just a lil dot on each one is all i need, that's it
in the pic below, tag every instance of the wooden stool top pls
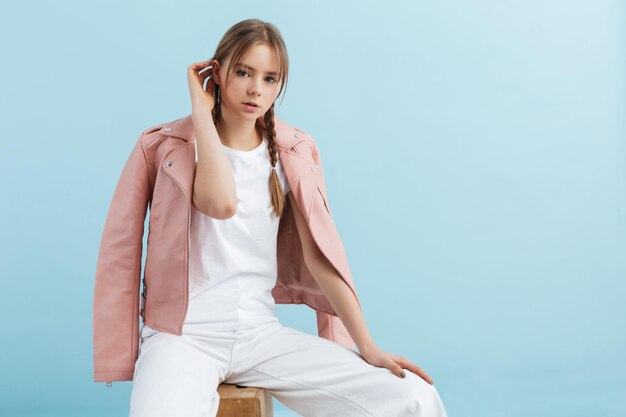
(237, 401)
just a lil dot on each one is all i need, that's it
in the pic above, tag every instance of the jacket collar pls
(300, 168)
(285, 133)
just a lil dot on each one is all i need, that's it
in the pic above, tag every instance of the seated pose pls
(239, 221)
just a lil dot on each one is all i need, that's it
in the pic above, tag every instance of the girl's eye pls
(239, 72)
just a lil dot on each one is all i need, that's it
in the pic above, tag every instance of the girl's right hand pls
(196, 81)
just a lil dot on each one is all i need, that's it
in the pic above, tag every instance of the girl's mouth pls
(250, 107)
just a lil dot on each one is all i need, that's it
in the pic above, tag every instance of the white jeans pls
(177, 376)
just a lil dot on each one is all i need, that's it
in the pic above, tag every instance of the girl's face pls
(255, 79)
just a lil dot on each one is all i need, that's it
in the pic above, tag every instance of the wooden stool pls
(237, 401)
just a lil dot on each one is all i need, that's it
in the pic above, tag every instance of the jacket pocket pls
(324, 200)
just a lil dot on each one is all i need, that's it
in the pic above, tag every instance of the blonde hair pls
(235, 43)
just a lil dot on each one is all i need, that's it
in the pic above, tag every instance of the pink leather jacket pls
(160, 174)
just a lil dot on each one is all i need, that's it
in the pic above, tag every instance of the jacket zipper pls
(186, 292)
(180, 328)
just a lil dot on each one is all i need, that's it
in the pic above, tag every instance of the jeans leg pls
(177, 376)
(316, 377)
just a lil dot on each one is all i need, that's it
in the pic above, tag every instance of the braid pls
(276, 191)
(216, 112)
(277, 197)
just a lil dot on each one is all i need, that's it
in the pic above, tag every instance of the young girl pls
(239, 220)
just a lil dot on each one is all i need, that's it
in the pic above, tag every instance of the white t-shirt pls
(232, 262)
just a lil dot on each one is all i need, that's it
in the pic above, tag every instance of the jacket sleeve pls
(118, 274)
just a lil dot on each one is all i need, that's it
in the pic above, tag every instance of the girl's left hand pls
(394, 363)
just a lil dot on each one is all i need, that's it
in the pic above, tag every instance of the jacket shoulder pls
(292, 134)
(153, 134)
(302, 134)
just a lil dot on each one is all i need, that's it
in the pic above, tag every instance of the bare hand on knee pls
(394, 363)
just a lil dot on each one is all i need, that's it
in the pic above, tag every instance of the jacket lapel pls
(293, 150)
(180, 165)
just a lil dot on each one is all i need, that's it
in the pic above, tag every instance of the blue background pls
(475, 162)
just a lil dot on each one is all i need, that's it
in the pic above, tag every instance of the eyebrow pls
(239, 64)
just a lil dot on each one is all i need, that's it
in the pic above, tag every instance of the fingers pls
(423, 375)
(198, 66)
(203, 65)
(395, 365)
(203, 71)
(399, 371)
(405, 363)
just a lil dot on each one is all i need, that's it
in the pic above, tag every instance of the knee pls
(418, 395)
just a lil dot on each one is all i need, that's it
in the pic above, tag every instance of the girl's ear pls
(215, 71)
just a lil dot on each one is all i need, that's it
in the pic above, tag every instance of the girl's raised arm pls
(214, 183)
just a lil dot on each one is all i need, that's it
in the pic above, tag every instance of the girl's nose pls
(253, 88)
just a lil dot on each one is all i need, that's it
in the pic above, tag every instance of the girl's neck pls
(241, 135)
